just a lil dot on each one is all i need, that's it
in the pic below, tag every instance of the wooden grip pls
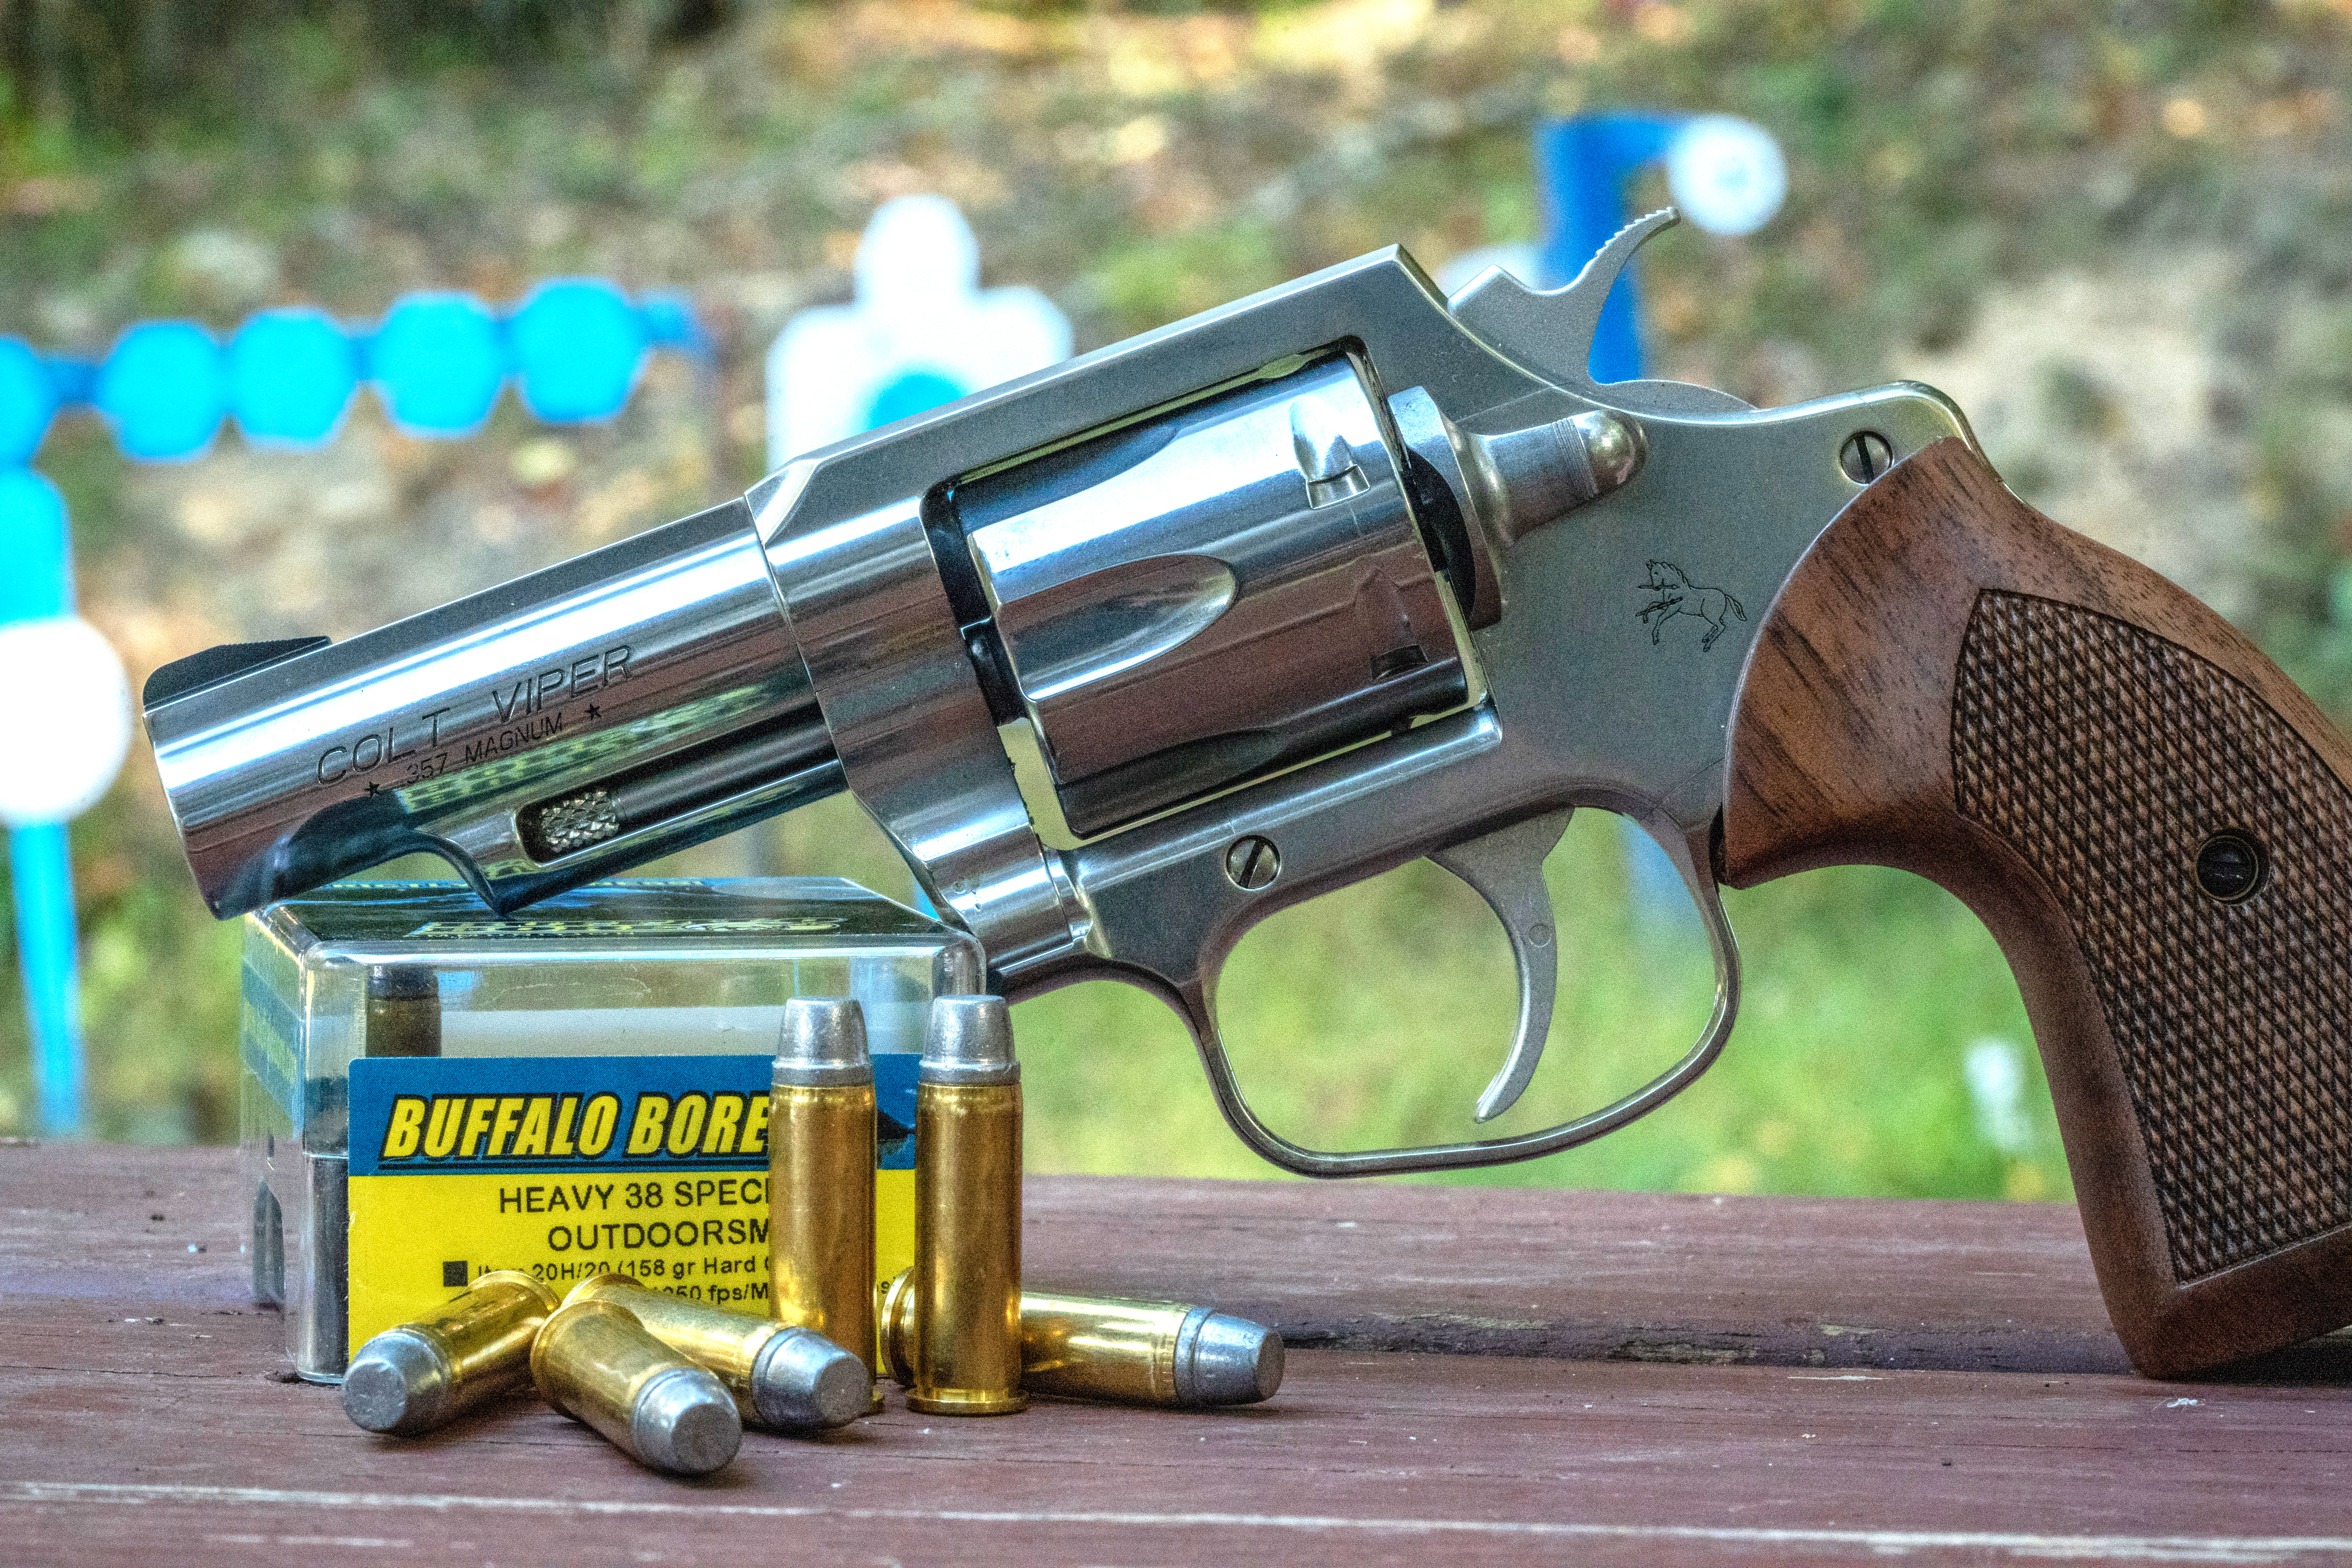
(2154, 823)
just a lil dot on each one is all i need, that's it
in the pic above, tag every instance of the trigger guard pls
(1195, 1000)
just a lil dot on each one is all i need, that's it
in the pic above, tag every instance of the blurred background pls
(2120, 235)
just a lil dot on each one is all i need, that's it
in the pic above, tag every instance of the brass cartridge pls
(821, 1178)
(596, 1363)
(404, 1011)
(422, 1375)
(965, 1306)
(1101, 1347)
(793, 1379)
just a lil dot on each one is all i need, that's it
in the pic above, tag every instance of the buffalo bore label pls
(567, 1167)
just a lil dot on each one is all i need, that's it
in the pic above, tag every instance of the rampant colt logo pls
(1678, 595)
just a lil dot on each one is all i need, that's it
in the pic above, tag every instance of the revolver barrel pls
(560, 727)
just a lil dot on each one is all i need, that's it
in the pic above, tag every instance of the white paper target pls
(1727, 174)
(922, 332)
(66, 716)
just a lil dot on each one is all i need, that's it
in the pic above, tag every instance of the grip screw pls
(1252, 863)
(2230, 866)
(1866, 455)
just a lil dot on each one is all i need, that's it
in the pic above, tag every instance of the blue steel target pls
(165, 388)
(439, 364)
(292, 373)
(574, 346)
(577, 345)
(27, 402)
(915, 392)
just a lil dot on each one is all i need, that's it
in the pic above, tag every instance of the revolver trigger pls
(1506, 867)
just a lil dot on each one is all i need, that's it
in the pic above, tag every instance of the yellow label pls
(566, 1167)
(419, 1238)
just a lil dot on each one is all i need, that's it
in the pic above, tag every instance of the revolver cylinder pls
(1232, 585)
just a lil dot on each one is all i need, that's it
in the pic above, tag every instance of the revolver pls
(1128, 655)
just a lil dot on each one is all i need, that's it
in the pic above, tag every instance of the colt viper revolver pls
(1347, 573)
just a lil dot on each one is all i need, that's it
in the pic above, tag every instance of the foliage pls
(1948, 157)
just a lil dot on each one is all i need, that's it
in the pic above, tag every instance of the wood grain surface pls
(1651, 1392)
(2140, 723)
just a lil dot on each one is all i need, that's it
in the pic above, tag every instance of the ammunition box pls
(432, 1092)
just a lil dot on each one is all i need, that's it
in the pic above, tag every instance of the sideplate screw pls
(1252, 863)
(1866, 455)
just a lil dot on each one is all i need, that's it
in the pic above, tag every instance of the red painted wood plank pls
(165, 1436)
(1387, 1265)
(1437, 1458)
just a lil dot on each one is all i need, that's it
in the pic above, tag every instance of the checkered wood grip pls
(2106, 757)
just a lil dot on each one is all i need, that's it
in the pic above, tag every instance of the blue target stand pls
(1728, 177)
(575, 349)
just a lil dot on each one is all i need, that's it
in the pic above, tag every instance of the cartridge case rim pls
(894, 1319)
(594, 1288)
(959, 1402)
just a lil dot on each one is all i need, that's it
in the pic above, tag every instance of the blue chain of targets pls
(572, 347)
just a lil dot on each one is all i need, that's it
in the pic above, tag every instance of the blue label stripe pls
(267, 1032)
(379, 1084)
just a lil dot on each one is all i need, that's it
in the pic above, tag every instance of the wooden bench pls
(1476, 1374)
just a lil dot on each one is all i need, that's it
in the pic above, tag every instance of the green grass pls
(1372, 1018)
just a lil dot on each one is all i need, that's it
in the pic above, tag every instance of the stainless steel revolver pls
(1128, 655)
